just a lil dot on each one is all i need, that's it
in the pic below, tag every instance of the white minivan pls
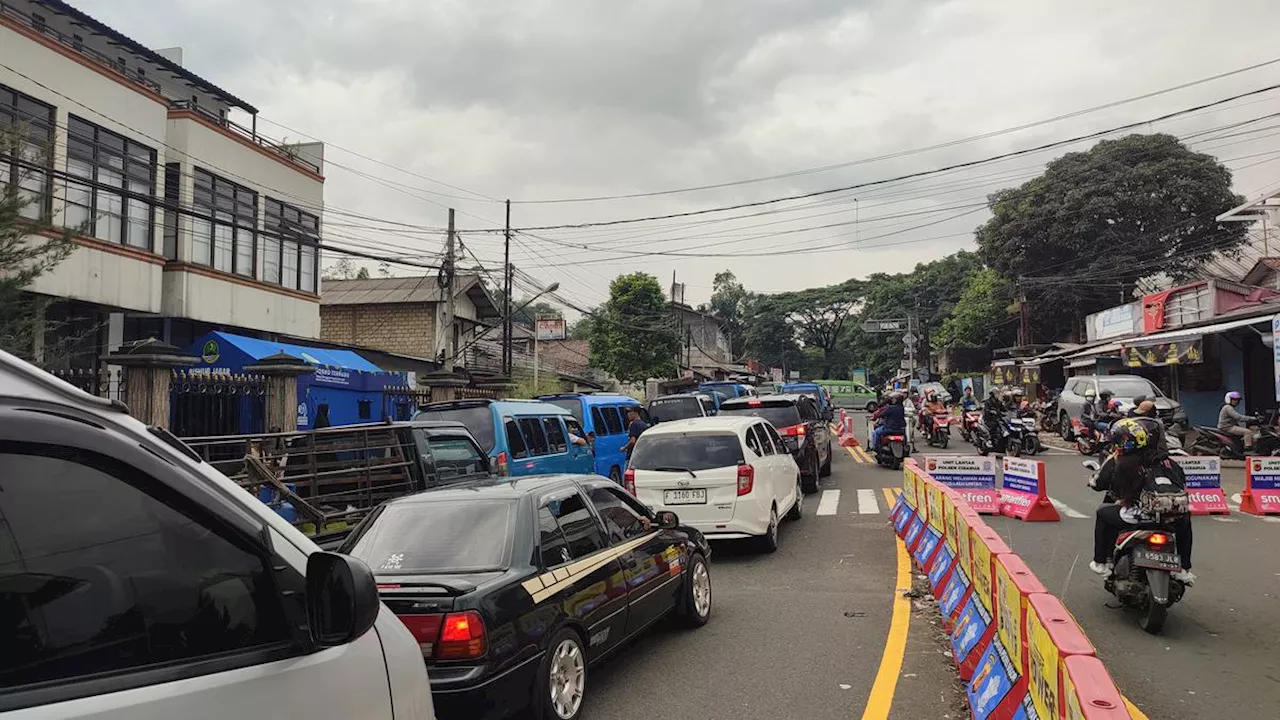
(138, 583)
(728, 477)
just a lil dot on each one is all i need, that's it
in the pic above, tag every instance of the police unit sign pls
(972, 477)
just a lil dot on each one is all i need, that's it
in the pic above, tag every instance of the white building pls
(190, 221)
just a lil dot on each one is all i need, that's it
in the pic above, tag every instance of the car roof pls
(590, 399)
(495, 488)
(735, 423)
(681, 396)
(503, 407)
(776, 397)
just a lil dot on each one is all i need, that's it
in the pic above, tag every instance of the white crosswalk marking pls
(829, 502)
(867, 504)
(1067, 510)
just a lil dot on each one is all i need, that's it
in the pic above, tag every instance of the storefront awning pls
(1195, 333)
(1087, 357)
(1178, 347)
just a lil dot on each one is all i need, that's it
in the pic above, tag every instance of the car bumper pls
(491, 699)
(738, 527)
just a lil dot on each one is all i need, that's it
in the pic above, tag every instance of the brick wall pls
(404, 329)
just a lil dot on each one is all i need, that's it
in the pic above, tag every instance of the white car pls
(141, 584)
(729, 477)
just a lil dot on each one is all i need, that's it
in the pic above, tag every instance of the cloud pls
(568, 98)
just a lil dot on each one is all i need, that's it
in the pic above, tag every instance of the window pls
(555, 434)
(35, 122)
(101, 576)
(226, 243)
(766, 443)
(172, 188)
(695, 452)
(436, 537)
(554, 548)
(597, 420)
(574, 428)
(364, 409)
(753, 442)
(533, 435)
(456, 456)
(290, 246)
(782, 413)
(612, 419)
(777, 440)
(808, 411)
(119, 180)
(515, 440)
(622, 517)
(579, 526)
(478, 419)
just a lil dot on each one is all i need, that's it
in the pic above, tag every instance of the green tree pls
(29, 247)
(729, 303)
(1085, 232)
(981, 316)
(768, 336)
(580, 329)
(632, 335)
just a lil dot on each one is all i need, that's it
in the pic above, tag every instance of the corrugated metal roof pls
(388, 291)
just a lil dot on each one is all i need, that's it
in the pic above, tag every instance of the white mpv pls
(728, 477)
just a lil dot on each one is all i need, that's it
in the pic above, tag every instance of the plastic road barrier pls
(943, 561)
(1023, 494)
(998, 688)
(975, 626)
(959, 587)
(1088, 692)
(1261, 495)
(1204, 485)
(1052, 635)
(973, 477)
(847, 438)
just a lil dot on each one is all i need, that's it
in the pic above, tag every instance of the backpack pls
(1164, 491)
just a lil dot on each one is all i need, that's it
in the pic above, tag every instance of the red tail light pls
(753, 403)
(629, 481)
(502, 464)
(425, 629)
(461, 636)
(793, 431)
(1157, 539)
(746, 479)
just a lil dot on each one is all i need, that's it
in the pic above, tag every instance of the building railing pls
(202, 404)
(37, 23)
(98, 382)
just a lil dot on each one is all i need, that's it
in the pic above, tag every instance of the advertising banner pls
(970, 636)
(913, 532)
(1052, 636)
(1261, 494)
(1177, 352)
(1275, 352)
(940, 572)
(926, 549)
(549, 327)
(1204, 484)
(970, 476)
(956, 592)
(934, 496)
(1023, 495)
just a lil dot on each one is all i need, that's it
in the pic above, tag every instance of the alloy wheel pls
(568, 679)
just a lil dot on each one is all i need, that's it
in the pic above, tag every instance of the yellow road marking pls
(859, 456)
(880, 701)
(1134, 712)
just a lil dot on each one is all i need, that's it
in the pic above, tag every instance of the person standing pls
(635, 426)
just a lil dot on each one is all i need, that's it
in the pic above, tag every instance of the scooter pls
(1010, 440)
(969, 421)
(1212, 441)
(938, 429)
(1030, 435)
(1143, 564)
(1048, 416)
(892, 449)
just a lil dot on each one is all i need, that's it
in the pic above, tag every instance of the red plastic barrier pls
(1052, 636)
(999, 686)
(1204, 484)
(1261, 495)
(1088, 692)
(985, 546)
(1023, 494)
(847, 438)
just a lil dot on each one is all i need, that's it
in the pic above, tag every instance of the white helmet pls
(1090, 394)
(1233, 395)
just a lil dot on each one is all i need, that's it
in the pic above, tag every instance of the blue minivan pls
(522, 437)
(604, 416)
(729, 387)
(815, 391)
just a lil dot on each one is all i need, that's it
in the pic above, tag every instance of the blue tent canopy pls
(257, 349)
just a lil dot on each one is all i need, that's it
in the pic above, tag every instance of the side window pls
(533, 435)
(574, 428)
(555, 551)
(623, 517)
(455, 457)
(597, 421)
(753, 442)
(102, 576)
(780, 446)
(766, 444)
(364, 409)
(612, 419)
(515, 440)
(555, 434)
(808, 411)
(579, 526)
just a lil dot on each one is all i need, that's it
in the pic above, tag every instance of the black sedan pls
(515, 587)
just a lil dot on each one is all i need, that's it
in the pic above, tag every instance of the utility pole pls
(1024, 331)
(448, 287)
(507, 355)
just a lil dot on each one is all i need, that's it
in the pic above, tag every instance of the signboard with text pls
(1204, 484)
(1177, 352)
(549, 327)
(1261, 494)
(971, 477)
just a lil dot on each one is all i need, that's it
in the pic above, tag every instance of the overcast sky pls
(549, 99)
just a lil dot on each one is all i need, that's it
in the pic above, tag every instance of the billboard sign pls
(549, 327)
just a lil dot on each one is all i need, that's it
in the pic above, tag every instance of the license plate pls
(1157, 560)
(684, 497)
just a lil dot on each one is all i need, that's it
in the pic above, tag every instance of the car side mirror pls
(667, 520)
(342, 598)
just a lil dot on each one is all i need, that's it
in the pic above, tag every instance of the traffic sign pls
(889, 325)
(910, 339)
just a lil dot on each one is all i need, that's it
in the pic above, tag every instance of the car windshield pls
(437, 537)
(572, 404)
(477, 418)
(676, 408)
(1129, 387)
(781, 414)
(697, 451)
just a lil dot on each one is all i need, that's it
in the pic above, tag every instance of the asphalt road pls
(1217, 656)
(797, 634)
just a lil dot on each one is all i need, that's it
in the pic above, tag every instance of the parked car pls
(139, 582)
(1124, 388)
(521, 437)
(820, 395)
(730, 388)
(604, 417)
(680, 407)
(513, 588)
(803, 429)
(728, 477)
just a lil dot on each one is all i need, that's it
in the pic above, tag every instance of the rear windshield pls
(437, 537)
(681, 408)
(687, 452)
(573, 405)
(780, 414)
(478, 419)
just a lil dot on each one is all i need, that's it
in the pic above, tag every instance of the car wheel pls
(769, 540)
(1064, 426)
(871, 407)
(615, 475)
(826, 466)
(695, 606)
(562, 678)
(797, 511)
(809, 478)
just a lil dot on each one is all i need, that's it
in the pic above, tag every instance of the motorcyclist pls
(890, 417)
(993, 412)
(1135, 456)
(1147, 409)
(1232, 422)
(968, 402)
(1025, 410)
(1014, 400)
(1089, 413)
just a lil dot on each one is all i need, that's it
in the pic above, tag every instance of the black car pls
(799, 421)
(514, 586)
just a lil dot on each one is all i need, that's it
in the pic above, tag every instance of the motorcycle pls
(1048, 416)
(938, 429)
(1212, 441)
(1143, 564)
(969, 422)
(1010, 440)
(1088, 440)
(892, 450)
(1031, 438)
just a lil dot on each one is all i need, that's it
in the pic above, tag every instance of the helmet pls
(1090, 394)
(1230, 397)
(994, 392)
(1106, 394)
(1114, 405)
(1025, 404)
(1016, 391)
(1131, 435)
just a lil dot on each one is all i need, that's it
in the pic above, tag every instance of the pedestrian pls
(635, 426)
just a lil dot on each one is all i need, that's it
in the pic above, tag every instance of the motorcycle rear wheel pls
(1014, 448)
(1152, 621)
